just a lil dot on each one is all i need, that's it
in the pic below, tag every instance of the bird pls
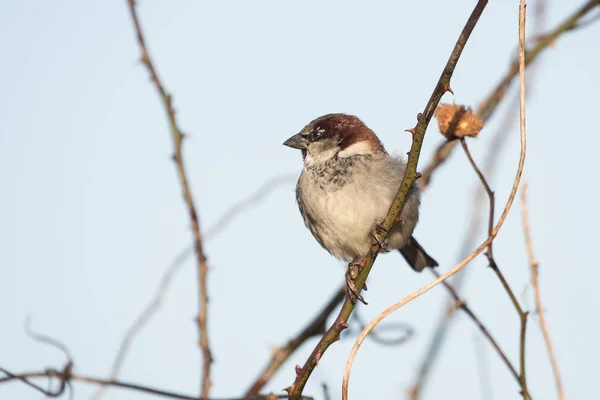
(347, 184)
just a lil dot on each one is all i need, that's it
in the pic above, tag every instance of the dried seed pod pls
(457, 121)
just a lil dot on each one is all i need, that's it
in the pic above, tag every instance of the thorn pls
(343, 325)
(419, 116)
(289, 389)
(298, 369)
(418, 175)
(447, 88)
(460, 303)
(411, 130)
(174, 157)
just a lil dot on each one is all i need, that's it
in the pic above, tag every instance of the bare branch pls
(534, 266)
(410, 175)
(522, 15)
(177, 137)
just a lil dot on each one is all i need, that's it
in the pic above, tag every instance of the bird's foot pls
(351, 274)
(378, 231)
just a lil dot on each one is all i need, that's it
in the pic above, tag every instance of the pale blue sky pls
(91, 211)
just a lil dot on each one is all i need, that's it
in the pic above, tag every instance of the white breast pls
(342, 216)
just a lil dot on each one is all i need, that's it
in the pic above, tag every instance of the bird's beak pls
(297, 141)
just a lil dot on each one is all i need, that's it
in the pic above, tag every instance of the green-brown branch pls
(410, 175)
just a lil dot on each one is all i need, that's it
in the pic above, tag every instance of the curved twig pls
(448, 274)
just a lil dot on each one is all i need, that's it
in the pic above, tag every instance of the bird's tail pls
(416, 256)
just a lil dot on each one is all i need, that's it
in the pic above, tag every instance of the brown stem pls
(488, 190)
(410, 175)
(177, 137)
(490, 256)
(522, 315)
(534, 267)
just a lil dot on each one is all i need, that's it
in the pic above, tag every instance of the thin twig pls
(48, 393)
(522, 14)
(488, 190)
(410, 175)
(492, 262)
(534, 266)
(491, 158)
(439, 335)
(490, 104)
(177, 137)
(174, 267)
(407, 331)
(67, 376)
(490, 256)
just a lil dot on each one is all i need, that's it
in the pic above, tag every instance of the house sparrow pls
(346, 188)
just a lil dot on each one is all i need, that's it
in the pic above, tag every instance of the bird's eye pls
(315, 135)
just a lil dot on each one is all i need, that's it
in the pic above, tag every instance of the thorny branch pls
(177, 137)
(489, 105)
(534, 266)
(410, 175)
(476, 252)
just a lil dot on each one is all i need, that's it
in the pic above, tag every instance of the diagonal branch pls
(410, 175)
(177, 137)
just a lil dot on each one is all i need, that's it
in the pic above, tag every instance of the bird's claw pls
(378, 231)
(353, 293)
